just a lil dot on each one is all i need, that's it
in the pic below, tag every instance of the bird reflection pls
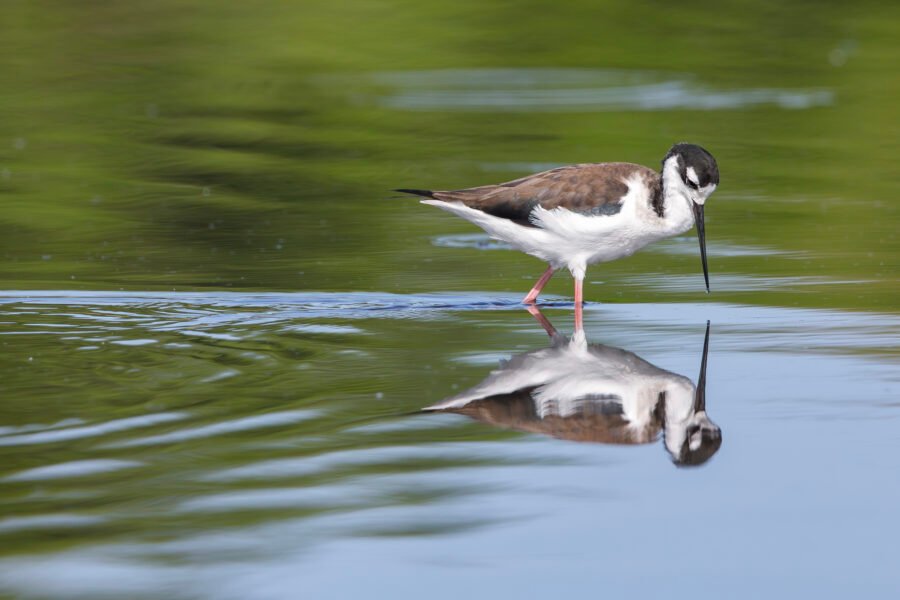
(594, 393)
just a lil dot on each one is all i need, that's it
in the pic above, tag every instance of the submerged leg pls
(533, 294)
(579, 300)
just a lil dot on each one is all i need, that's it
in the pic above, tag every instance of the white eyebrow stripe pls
(692, 175)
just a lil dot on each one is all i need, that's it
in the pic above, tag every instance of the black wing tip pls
(424, 193)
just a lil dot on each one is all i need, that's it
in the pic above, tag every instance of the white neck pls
(677, 214)
(679, 413)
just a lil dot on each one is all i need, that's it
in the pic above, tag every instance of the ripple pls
(333, 496)
(325, 329)
(54, 522)
(477, 241)
(226, 374)
(11, 429)
(559, 90)
(244, 424)
(733, 283)
(134, 342)
(73, 433)
(75, 468)
(687, 245)
(195, 313)
(309, 465)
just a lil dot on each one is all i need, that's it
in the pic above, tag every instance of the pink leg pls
(579, 300)
(545, 323)
(533, 294)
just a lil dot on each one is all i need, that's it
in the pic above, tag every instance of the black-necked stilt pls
(594, 393)
(582, 214)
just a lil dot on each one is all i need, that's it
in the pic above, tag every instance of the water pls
(218, 330)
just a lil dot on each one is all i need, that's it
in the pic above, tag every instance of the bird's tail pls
(424, 193)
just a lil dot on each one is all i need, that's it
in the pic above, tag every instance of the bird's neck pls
(670, 202)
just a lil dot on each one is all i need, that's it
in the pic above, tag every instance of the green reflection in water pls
(251, 146)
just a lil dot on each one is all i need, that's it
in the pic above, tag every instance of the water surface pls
(219, 330)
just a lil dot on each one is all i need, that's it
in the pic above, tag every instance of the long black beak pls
(701, 234)
(700, 395)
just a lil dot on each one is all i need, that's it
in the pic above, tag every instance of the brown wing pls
(595, 188)
(517, 411)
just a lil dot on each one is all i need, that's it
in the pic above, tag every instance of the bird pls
(577, 215)
(594, 393)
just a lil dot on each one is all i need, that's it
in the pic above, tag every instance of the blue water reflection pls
(272, 479)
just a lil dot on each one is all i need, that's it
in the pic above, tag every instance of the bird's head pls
(690, 436)
(702, 439)
(691, 172)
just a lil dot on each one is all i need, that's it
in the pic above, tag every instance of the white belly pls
(573, 240)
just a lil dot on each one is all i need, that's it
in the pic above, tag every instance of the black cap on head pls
(711, 441)
(692, 155)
